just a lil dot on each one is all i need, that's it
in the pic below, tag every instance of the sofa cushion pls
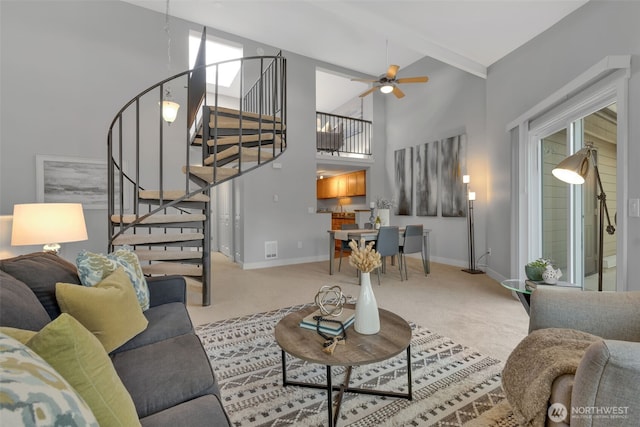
(33, 392)
(109, 309)
(205, 411)
(80, 358)
(165, 321)
(167, 373)
(92, 268)
(19, 307)
(41, 271)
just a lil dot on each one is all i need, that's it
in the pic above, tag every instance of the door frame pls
(604, 83)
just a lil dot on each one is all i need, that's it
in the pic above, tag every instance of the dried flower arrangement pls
(364, 258)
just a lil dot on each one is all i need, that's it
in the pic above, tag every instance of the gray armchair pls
(605, 387)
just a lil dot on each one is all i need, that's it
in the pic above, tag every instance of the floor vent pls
(271, 249)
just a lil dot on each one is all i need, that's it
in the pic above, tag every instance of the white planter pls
(367, 320)
(384, 217)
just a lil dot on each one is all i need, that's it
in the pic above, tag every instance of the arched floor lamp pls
(573, 170)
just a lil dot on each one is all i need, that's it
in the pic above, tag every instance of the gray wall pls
(533, 72)
(450, 103)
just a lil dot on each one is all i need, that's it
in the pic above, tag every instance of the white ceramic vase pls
(384, 217)
(367, 320)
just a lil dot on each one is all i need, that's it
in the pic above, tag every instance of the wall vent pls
(271, 249)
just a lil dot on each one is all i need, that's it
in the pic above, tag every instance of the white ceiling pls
(468, 34)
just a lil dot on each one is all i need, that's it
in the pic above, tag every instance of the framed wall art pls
(453, 164)
(426, 167)
(403, 192)
(61, 179)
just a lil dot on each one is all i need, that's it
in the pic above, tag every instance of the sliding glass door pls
(569, 214)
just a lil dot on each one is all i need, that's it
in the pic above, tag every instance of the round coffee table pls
(394, 338)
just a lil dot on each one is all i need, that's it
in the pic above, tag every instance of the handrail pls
(116, 146)
(342, 134)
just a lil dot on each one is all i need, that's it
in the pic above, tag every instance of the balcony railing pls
(342, 135)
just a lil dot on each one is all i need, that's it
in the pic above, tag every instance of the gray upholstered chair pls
(607, 377)
(344, 245)
(411, 244)
(388, 244)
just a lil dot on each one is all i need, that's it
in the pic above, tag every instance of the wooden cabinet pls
(339, 218)
(347, 185)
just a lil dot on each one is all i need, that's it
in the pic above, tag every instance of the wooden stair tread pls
(143, 239)
(159, 219)
(249, 154)
(231, 123)
(235, 139)
(247, 115)
(172, 195)
(206, 172)
(160, 255)
(165, 268)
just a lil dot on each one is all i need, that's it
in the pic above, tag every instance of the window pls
(217, 50)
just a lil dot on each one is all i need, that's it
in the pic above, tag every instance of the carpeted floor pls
(452, 384)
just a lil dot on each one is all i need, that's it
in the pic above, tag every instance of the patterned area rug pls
(452, 384)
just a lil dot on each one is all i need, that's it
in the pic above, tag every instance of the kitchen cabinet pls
(339, 218)
(346, 185)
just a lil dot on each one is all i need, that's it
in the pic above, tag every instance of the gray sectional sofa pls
(164, 368)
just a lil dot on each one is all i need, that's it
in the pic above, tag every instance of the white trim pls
(605, 82)
(603, 68)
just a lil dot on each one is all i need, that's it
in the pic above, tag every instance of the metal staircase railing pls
(146, 154)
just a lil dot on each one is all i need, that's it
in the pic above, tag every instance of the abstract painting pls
(403, 196)
(453, 154)
(72, 180)
(427, 179)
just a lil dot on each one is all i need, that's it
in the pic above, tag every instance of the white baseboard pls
(281, 262)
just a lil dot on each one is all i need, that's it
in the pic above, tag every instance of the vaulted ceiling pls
(366, 36)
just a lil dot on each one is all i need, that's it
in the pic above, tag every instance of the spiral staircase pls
(161, 174)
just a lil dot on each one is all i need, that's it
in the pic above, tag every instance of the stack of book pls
(347, 317)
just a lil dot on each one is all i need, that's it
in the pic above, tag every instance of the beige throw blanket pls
(539, 359)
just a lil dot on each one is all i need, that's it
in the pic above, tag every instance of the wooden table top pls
(305, 344)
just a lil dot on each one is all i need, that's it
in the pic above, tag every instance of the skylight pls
(217, 51)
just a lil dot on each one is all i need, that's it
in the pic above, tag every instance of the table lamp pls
(49, 224)
(573, 170)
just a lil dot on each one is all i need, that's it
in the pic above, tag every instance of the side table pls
(523, 291)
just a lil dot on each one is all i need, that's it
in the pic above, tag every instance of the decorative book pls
(347, 317)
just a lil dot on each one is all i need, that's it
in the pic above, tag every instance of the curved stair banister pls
(163, 216)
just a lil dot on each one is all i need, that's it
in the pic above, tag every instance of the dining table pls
(372, 234)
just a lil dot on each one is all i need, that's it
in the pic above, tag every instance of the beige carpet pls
(474, 310)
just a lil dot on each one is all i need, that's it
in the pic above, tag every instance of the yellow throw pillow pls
(78, 356)
(110, 309)
(21, 335)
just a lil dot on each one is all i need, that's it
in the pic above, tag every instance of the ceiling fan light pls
(386, 88)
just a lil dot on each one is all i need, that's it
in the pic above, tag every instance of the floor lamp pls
(472, 252)
(573, 170)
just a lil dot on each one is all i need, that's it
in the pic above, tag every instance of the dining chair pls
(411, 244)
(388, 244)
(344, 245)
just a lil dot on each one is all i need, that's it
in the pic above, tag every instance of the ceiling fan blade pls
(367, 92)
(397, 92)
(422, 79)
(392, 71)
(365, 80)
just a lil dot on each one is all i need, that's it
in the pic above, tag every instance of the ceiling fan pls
(389, 83)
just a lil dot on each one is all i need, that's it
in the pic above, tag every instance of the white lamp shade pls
(466, 179)
(472, 195)
(170, 111)
(575, 168)
(386, 89)
(43, 223)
